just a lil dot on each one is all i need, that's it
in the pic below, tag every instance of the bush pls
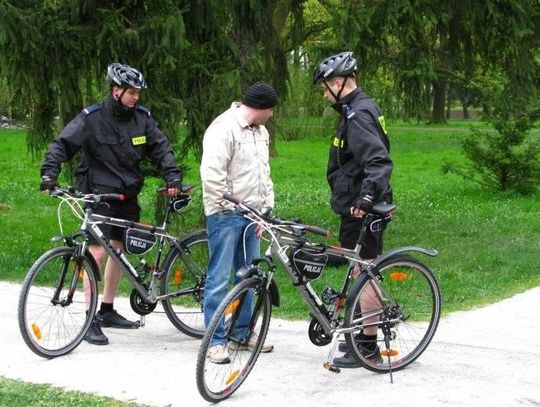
(506, 159)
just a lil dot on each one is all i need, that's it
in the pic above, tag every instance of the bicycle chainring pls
(316, 333)
(139, 305)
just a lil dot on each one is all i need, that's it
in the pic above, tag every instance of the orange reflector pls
(81, 274)
(398, 276)
(234, 375)
(177, 276)
(389, 352)
(231, 308)
(37, 331)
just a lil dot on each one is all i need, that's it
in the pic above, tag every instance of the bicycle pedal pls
(330, 367)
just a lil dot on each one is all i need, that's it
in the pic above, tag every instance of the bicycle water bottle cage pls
(138, 242)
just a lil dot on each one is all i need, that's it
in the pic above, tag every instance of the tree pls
(196, 55)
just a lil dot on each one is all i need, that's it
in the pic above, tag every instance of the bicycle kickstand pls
(388, 353)
(141, 321)
(329, 364)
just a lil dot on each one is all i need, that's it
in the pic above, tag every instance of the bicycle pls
(403, 296)
(59, 294)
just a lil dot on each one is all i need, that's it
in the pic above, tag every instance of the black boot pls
(113, 319)
(95, 335)
(368, 347)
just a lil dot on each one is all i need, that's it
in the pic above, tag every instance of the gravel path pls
(486, 357)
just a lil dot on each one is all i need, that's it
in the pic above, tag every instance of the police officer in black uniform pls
(359, 166)
(114, 137)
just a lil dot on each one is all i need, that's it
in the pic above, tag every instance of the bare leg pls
(369, 301)
(98, 253)
(112, 276)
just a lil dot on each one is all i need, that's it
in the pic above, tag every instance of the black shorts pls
(128, 210)
(349, 232)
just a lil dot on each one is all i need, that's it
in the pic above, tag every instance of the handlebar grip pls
(231, 198)
(113, 197)
(317, 230)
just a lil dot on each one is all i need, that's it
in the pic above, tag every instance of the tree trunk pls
(439, 101)
(465, 105)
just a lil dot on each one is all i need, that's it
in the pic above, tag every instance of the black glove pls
(365, 203)
(174, 183)
(47, 183)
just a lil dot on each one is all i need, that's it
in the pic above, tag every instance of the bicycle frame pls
(90, 227)
(282, 239)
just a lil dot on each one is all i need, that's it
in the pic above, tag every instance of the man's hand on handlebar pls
(48, 184)
(174, 187)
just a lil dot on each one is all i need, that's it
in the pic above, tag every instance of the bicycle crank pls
(139, 304)
(317, 335)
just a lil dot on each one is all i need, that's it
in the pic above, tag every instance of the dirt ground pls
(486, 357)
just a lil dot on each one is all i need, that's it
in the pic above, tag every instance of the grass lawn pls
(488, 242)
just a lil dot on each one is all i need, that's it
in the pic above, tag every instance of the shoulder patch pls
(145, 110)
(91, 109)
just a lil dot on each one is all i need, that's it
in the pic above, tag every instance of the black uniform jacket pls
(112, 150)
(359, 162)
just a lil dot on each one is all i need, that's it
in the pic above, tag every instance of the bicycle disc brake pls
(139, 305)
(317, 335)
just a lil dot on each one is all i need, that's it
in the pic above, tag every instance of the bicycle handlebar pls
(88, 197)
(275, 220)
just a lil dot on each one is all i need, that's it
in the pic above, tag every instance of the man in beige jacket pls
(235, 160)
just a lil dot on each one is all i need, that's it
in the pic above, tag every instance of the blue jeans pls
(226, 242)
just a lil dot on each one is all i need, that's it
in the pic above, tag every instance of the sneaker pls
(112, 319)
(348, 361)
(266, 348)
(219, 354)
(95, 335)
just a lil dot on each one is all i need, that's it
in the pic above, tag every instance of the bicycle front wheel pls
(240, 325)
(403, 305)
(57, 303)
(183, 284)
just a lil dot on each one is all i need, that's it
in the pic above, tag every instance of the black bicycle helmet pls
(125, 76)
(342, 64)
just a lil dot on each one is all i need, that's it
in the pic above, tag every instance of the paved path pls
(487, 357)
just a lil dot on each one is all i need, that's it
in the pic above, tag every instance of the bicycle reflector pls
(37, 331)
(389, 352)
(233, 376)
(232, 307)
(398, 276)
(177, 276)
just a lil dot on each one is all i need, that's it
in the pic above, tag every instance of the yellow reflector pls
(234, 375)
(81, 274)
(37, 331)
(231, 308)
(389, 352)
(177, 276)
(398, 276)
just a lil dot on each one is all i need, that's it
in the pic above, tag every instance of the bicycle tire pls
(412, 303)
(185, 274)
(216, 382)
(51, 330)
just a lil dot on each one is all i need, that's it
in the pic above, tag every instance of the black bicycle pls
(59, 295)
(395, 294)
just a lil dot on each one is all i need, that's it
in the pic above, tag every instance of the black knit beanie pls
(260, 95)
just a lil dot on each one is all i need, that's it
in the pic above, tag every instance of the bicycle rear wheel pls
(183, 284)
(405, 305)
(52, 320)
(217, 381)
